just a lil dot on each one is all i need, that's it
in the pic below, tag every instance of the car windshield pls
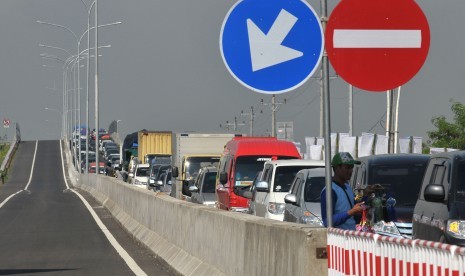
(247, 168)
(193, 165)
(209, 183)
(313, 187)
(284, 176)
(400, 181)
(142, 171)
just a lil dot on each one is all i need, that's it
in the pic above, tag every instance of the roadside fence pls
(366, 254)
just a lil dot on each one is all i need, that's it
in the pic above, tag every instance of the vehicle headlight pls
(383, 227)
(456, 228)
(276, 208)
(310, 219)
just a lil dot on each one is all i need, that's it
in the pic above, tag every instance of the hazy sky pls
(164, 71)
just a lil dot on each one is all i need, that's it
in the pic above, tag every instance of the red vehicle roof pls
(262, 146)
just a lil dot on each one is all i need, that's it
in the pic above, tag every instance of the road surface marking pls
(123, 253)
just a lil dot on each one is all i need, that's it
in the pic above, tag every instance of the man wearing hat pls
(343, 199)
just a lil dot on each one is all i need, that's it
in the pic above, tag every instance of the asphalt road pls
(45, 229)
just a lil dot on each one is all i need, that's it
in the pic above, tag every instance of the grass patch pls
(4, 147)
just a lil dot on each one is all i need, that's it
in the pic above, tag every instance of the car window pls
(284, 176)
(142, 171)
(400, 181)
(296, 183)
(209, 182)
(460, 181)
(313, 187)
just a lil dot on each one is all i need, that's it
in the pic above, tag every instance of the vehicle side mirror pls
(262, 186)
(223, 177)
(175, 171)
(434, 193)
(193, 189)
(291, 199)
(247, 194)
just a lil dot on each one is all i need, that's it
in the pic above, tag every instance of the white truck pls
(191, 151)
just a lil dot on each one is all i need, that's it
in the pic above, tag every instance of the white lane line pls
(29, 182)
(376, 38)
(32, 168)
(123, 253)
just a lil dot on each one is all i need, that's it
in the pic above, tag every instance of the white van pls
(275, 183)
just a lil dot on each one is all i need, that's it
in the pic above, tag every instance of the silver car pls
(303, 201)
(203, 190)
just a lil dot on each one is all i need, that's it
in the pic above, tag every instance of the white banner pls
(320, 141)
(381, 146)
(404, 145)
(436, 150)
(449, 149)
(417, 146)
(365, 145)
(341, 138)
(309, 141)
(333, 144)
(316, 152)
(349, 145)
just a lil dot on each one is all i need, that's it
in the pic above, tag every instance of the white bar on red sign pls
(377, 38)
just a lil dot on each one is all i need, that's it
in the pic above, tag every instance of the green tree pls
(449, 134)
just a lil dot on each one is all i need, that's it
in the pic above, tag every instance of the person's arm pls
(338, 218)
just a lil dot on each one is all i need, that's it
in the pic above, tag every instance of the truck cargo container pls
(145, 145)
(193, 151)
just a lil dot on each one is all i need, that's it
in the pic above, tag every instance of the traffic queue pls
(267, 177)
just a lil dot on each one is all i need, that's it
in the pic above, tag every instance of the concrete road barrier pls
(199, 240)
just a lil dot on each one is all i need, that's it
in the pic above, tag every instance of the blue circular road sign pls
(271, 46)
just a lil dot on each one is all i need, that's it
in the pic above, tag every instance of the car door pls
(291, 209)
(260, 197)
(429, 217)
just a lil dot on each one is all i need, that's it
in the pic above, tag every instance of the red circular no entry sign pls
(377, 45)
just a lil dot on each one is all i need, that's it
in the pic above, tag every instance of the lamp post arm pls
(54, 47)
(59, 26)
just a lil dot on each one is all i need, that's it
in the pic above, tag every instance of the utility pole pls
(234, 124)
(252, 116)
(274, 106)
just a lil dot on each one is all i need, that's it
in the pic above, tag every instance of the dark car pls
(400, 176)
(203, 190)
(439, 213)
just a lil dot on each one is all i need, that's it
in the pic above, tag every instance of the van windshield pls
(247, 168)
(400, 181)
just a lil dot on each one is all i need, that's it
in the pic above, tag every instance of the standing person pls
(343, 199)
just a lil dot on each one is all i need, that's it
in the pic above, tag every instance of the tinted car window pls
(209, 184)
(313, 187)
(460, 180)
(400, 181)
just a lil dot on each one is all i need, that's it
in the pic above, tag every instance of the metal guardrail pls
(8, 155)
(358, 253)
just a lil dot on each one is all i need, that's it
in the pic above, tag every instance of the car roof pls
(450, 154)
(395, 158)
(296, 162)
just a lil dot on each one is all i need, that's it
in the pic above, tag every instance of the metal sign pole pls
(327, 129)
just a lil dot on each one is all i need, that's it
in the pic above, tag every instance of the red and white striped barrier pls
(366, 254)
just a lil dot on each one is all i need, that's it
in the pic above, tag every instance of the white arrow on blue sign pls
(271, 46)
